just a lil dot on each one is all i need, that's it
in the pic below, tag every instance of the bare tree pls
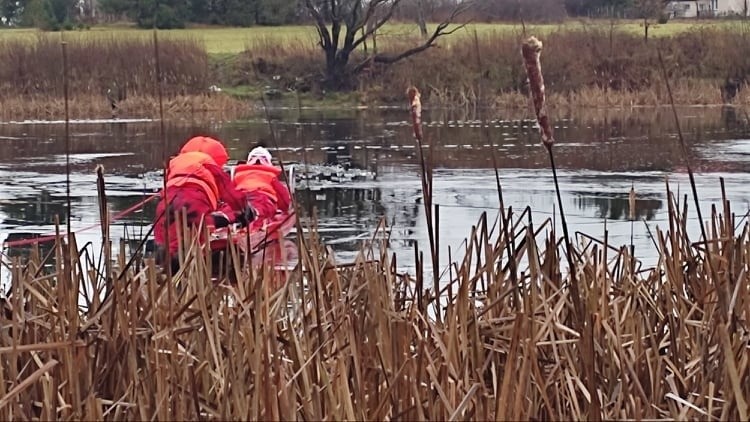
(357, 21)
(649, 10)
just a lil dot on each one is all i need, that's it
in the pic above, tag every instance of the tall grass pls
(351, 341)
(99, 64)
(106, 76)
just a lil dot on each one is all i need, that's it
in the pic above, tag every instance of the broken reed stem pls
(165, 156)
(722, 293)
(631, 217)
(425, 173)
(64, 47)
(104, 219)
(683, 145)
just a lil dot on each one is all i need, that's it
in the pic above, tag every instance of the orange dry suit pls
(265, 192)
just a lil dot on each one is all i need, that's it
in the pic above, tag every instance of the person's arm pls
(228, 192)
(283, 198)
(232, 202)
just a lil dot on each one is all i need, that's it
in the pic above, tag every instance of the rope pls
(51, 237)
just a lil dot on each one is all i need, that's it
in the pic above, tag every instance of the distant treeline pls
(57, 14)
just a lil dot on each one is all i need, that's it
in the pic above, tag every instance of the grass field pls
(223, 40)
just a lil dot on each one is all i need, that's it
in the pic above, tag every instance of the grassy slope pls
(221, 40)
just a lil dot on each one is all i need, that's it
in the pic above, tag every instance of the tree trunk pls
(337, 78)
(421, 18)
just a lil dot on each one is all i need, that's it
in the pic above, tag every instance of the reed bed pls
(93, 106)
(107, 76)
(125, 66)
(89, 340)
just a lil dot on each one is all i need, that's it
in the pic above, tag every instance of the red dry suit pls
(197, 185)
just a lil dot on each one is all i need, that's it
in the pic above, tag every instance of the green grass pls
(218, 40)
(223, 40)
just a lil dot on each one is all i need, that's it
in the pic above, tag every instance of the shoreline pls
(228, 107)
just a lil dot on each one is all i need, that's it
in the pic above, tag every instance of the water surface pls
(600, 155)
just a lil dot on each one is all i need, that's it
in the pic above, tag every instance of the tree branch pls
(352, 22)
(441, 30)
(320, 25)
(378, 24)
(335, 24)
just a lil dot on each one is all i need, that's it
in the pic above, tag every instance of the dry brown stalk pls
(361, 347)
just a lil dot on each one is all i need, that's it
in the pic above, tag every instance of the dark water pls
(600, 155)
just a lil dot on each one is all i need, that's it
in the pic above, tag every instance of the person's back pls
(259, 178)
(199, 190)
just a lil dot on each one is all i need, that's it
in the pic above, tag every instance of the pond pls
(600, 155)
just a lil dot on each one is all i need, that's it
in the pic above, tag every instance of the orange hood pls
(207, 145)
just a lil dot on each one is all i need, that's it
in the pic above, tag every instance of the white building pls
(707, 8)
(691, 8)
(731, 7)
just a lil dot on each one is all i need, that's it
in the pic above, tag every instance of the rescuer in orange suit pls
(259, 179)
(198, 186)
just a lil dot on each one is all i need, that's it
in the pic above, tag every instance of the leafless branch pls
(378, 24)
(320, 24)
(441, 30)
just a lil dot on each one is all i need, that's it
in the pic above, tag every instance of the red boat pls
(259, 234)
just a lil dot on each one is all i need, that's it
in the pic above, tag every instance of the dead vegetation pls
(360, 342)
(108, 77)
(587, 66)
(93, 106)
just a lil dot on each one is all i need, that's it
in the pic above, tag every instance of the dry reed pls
(93, 106)
(349, 341)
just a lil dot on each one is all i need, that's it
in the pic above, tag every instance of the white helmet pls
(259, 155)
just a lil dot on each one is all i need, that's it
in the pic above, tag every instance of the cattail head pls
(531, 47)
(415, 104)
(531, 50)
(631, 203)
(412, 93)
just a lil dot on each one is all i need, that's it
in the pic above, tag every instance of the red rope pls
(47, 238)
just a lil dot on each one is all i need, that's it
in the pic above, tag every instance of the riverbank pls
(238, 102)
(590, 65)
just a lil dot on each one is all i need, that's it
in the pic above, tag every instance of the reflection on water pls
(601, 154)
(617, 207)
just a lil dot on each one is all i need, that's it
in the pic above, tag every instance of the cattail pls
(531, 50)
(416, 111)
(631, 203)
